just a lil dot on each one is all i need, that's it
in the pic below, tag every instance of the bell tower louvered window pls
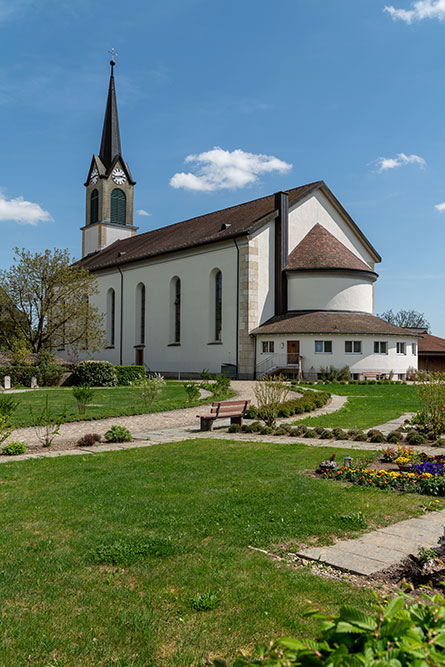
(94, 207)
(118, 206)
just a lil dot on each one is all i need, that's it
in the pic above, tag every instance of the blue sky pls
(343, 90)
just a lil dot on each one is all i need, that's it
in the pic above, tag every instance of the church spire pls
(110, 146)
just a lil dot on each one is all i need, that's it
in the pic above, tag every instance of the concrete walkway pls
(382, 548)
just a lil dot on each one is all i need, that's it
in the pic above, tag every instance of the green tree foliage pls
(406, 318)
(47, 301)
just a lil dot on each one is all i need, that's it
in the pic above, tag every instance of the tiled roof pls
(330, 322)
(429, 343)
(227, 223)
(319, 249)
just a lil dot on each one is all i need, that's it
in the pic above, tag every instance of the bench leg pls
(236, 420)
(206, 424)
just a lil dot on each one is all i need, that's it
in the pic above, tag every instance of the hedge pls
(95, 373)
(47, 375)
(128, 374)
(307, 403)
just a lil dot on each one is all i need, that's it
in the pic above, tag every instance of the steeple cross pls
(114, 55)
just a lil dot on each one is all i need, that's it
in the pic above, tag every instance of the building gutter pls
(237, 304)
(121, 335)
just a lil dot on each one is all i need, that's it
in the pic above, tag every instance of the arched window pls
(175, 310)
(118, 206)
(218, 305)
(140, 314)
(111, 316)
(94, 207)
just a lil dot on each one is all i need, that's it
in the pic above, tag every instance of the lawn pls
(107, 402)
(368, 405)
(202, 503)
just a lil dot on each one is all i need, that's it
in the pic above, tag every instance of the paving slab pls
(381, 548)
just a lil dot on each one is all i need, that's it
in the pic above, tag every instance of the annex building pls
(284, 282)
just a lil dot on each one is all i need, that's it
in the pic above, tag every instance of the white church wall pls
(367, 360)
(265, 240)
(91, 239)
(316, 208)
(307, 291)
(196, 350)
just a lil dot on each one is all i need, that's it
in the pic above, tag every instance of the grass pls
(141, 557)
(107, 402)
(367, 405)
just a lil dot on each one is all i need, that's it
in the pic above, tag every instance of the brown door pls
(140, 357)
(293, 352)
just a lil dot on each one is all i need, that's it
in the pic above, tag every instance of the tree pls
(48, 302)
(406, 318)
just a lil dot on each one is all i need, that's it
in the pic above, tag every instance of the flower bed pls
(426, 483)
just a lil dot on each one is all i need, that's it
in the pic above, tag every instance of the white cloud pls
(422, 9)
(440, 207)
(219, 169)
(141, 211)
(401, 159)
(22, 211)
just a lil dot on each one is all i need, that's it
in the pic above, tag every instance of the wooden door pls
(140, 357)
(293, 352)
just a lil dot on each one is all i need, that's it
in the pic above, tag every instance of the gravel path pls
(72, 431)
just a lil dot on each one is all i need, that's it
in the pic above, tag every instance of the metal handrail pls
(275, 361)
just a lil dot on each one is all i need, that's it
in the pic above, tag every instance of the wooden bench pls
(236, 410)
(372, 375)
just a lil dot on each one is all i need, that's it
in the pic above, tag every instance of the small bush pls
(377, 437)
(256, 427)
(281, 430)
(266, 430)
(234, 428)
(389, 454)
(118, 434)
(14, 449)
(8, 405)
(361, 437)
(326, 434)
(394, 437)
(374, 431)
(310, 433)
(205, 601)
(352, 432)
(294, 433)
(83, 395)
(301, 429)
(414, 438)
(95, 374)
(89, 439)
(125, 552)
(431, 435)
(252, 412)
(340, 434)
(192, 391)
(126, 375)
(319, 429)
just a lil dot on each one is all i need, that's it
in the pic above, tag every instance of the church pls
(284, 283)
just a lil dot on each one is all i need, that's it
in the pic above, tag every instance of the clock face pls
(118, 176)
(94, 176)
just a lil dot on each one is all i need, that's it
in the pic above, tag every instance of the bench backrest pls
(221, 408)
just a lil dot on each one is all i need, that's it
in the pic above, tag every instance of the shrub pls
(14, 448)
(414, 438)
(319, 430)
(126, 375)
(256, 426)
(47, 423)
(294, 433)
(95, 374)
(352, 432)
(344, 374)
(361, 437)
(431, 435)
(301, 429)
(281, 430)
(404, 631)
(266, 430)
(326, 434)
(206, 375)
(47, 370)
(389, 454)
(149, 388)
(270, 392)
(205, 601)
(394, 437)
(83, 395)
(339, 434)
(373, 431)
(124, 552)
(222, 385)
(310, 433)
(89, 439)
(192, 391)
(118, 434)
(234, 428)
(377, 437)
(8, 405)
(252, 412)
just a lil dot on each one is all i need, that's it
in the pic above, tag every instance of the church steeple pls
(109, 185)
(110, 146)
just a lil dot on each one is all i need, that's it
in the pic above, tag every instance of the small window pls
(268, 346)
(380, 347)
(414, 348)
(401, 348)
(323, 346)
(94, 207)
(118, 206)
(353, 346)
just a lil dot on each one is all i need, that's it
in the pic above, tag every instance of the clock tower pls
(109, 186)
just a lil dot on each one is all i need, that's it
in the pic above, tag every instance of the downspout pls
(122, 315)
(237, 305)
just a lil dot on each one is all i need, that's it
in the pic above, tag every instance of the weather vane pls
(114, 55)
